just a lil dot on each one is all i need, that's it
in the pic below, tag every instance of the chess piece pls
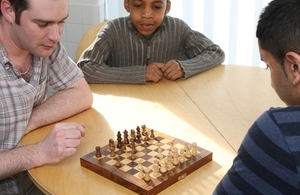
(181, 158)
(138, 138)
(98, 152)
(111, 143)
(152, 136)
(132, 157)
(172, 146)
(186, 147)
(112, 151)
(132, 135)
(118, 162)
(194, 149)
(140, 164)
(146, 138)
(126, 140)
(160, 155)
(163, 168)
(119, 138)
(155, 170)
(138, 129)
(147, 174)
(123, 148)
(175, 157)
(132, 145)
(169, 161)
(143, 130)
(141, 174)
(188, 154)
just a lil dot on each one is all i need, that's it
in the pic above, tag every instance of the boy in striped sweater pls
(146, 46)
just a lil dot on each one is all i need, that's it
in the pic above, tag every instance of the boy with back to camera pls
(146, 46)
(268, 160)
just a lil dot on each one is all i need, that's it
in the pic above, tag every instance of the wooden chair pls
(88, 38)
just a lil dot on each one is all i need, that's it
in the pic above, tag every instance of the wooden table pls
(214, 109)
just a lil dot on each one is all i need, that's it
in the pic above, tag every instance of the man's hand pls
(153, 72)
(61, 142)
(172, 70)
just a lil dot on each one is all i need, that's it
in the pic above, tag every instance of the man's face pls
(40, 26)
(147, 15)
(280, 80)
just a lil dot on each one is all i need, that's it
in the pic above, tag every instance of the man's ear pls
(126, 5)
(293, 65)
(7, 11)
(168, 7)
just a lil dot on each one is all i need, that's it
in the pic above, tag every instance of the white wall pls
(82, 16)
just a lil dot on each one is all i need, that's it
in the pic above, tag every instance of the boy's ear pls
(126, 5)
(168, 7)
(293, 65)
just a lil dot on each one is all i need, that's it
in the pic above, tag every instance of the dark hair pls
(19, 6)
(278, 28)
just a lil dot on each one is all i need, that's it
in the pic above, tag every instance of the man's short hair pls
(19, 6)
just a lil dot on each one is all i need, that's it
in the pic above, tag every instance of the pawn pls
(138, 138)
(118, 162)
(188, 154)
(194, 149)
(132, 135)
(175, 157)
(152, 136)
(132, 157)
(163, 168)
(181, 158)
(146, 138)
(186, 147)
(147, 174)
(112, 151)
(98, 152)
(143, 130)
(126, 140)
(141, 174)
(160, 155)
(140, 164)
(155, 170)
(123, 148)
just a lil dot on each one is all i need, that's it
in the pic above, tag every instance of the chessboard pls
(146, 161)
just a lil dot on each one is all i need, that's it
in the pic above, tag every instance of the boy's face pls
(281, 80)
(147, 15)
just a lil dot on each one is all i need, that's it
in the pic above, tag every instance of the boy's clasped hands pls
(171, 71)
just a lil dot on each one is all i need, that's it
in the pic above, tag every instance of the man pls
(147, 46)
(268, 161)
(31, 58)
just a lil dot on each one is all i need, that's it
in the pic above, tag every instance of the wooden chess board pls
(128, 174)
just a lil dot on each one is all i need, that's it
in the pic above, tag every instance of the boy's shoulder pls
(171, 21)
(125, 19)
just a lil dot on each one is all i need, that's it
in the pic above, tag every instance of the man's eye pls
(42, 24)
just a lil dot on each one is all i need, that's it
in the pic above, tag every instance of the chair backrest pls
(88, 38)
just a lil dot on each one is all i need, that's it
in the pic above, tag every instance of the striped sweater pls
(120, 53)
(268, 161)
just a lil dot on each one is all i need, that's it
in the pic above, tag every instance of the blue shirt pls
(268, 160)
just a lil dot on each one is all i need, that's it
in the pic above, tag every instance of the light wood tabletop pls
(213, 109)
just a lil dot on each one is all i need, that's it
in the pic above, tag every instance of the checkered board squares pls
(128, 174)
